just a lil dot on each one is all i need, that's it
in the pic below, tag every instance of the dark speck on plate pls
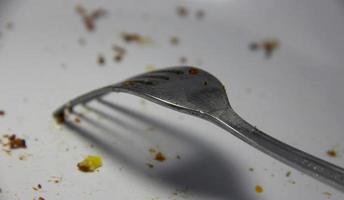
(200, 14)
(182, 11)
(174, 40)
(288, 174)
(182, 60)
(101, 60)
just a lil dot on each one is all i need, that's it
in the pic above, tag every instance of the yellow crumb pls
(90, 163)
(259, 189)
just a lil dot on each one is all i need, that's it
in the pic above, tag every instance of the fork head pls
(187, 89)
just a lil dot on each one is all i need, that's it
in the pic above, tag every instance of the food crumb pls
(14, 142)
(101, 60)
(174, 40)
(2, 113)
(182, 60)
(150, 68)
(327, 194)
(160, 157)
(332, 153)
(259, 189)
(182, 192)
(89, 17)
(182, 11)
(77, 120)
(151, 150)
(251, 169)
(269, 46)
(38, 187)
(90, 163)
(22, 157)
(55, 179)
(178, 157)
(200, 14)
(135, 38)
(150, 165)
(119, 53)
(288, 174)
(41, 198)
(193, 71)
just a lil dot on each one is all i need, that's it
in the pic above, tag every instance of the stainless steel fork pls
(196, 92)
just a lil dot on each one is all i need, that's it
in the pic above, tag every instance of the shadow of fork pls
(205, 174)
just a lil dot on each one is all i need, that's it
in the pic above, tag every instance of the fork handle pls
(311, 165)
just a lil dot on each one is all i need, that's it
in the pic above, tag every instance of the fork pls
(196, 92)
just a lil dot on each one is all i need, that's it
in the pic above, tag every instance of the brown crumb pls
(2, 113)
(119, 53)
(269, 46)
(38, 187)
(55, 179)
(22, 157)
(101, 60)
(259, 189)
(182, 11)
(332, 153)
(135, 38)
(118, 58)
(128, 83)
(89, 17)
(288, 174)
(174, 40)
(118, 49)
(150, 165)
(131, 37)
(160, 157)
(193, 71)
(59, 118)
(41, 198)
(200, 14)
(77, 120)
(182, 60)
(15, 143)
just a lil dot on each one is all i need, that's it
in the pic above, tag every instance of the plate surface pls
(295, 95)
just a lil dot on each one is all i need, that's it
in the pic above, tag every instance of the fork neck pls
(315, 167)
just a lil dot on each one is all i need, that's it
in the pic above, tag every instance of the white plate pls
(296, 96)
